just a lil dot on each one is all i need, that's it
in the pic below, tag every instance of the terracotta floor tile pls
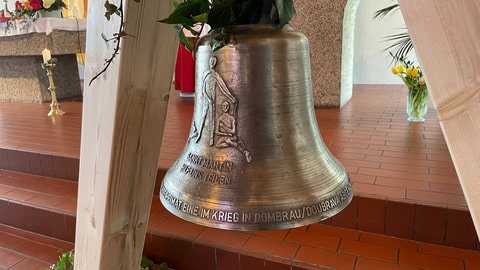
(20, 195)
(271, 246)
(46, 200)
(276, 234)
(436, 198)
(368, 190)
(9, 241)
(313, 239)
(446, 251)
(30, 263)
(335, 231)
(68, 206)
(37, 250)
(5, 189)
(395, 182)
(9, 258)
(426, 261)
(224, 238)
(325, 258)
(181, 228)
(369, 250)
(371, 264)
(388, 241)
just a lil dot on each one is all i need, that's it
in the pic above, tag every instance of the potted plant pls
(417, 98)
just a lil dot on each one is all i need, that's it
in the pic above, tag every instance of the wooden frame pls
(446, 36)
(123, 118)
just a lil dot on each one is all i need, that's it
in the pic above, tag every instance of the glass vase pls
(417, 105)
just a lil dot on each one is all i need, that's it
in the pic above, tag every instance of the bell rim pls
(264, 225)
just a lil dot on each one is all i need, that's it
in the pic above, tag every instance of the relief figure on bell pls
(226, 131)
(212, 85)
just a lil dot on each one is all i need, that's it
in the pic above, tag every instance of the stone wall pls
(322, 21)
(21, 77)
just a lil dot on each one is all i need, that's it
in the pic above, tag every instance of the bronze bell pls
(254, 159)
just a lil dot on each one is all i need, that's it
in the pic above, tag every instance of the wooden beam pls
(446, 37)
(123, 118)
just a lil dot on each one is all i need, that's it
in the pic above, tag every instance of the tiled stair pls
(424, 224)
(38, 221)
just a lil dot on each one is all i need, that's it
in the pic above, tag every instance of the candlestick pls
(46, 55)
(6, 12)
(55, 109)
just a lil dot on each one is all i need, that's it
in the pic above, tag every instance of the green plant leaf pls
(401, 47)
(202, 18)
(163, 266)
(385, 11)
(286, 11)
(188, 42)
(185, 12)
(110, 9)
(219, 38)
(146, 262)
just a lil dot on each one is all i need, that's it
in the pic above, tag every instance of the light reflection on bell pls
(254, 159)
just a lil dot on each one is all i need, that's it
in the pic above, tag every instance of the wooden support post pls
(123, 118)
(446, 36)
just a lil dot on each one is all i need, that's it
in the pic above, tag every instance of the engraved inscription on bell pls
(220, 126)
(259, 216)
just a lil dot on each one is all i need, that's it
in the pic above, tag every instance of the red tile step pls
(22, 250)
(185, 245)
(38, 203)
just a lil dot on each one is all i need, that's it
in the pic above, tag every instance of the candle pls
(46, 55)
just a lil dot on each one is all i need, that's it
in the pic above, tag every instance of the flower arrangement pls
(412, 77)
(31, 8)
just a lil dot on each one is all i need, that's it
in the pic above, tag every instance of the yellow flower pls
(48, 3)
(409, 71)
(400, 68)
(414, 72)
(395, 70)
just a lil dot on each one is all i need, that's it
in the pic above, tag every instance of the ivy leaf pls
(286, 11)
(185, 12)
(146, 262)
(218, 38)
(188, 42)
(110, 9)
(202, 18)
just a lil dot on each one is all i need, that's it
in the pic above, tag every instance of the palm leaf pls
(402, 43)
(385, 11)
(401, 46)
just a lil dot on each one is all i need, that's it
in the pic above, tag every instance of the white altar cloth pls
(42, 25)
